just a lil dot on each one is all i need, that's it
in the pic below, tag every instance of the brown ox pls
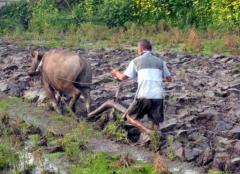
(63, 72)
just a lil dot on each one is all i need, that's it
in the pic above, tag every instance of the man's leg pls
(155, 126)
(137, 124)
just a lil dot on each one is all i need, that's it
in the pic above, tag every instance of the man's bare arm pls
(119, 75)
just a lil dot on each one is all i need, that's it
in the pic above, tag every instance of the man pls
(151, 72)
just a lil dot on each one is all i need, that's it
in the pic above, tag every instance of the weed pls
(112, 130)
(115, 129)
(170, 148)
(34, 141)
(9, 156)
(5, 104)
(100, 162)
(172, 100)
(237, 68)
(193, 42)
(72, 145)
(175, 36)
(38, 157)
(213, 171)
(155, 139)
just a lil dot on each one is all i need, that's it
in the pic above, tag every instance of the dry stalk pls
(175, 35)
(159, 165)
(211, 34)
(124, 161)
(231, 40)
(195, 41)
(38, 155)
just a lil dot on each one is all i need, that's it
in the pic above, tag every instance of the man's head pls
(144, 45)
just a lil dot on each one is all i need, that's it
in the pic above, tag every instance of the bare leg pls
(138, 124)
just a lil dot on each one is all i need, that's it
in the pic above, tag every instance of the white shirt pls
(149, 77)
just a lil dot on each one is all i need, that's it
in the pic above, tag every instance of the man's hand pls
(167, 79)
(119, 75)
(114, 72)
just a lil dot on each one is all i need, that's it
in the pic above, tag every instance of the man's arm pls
(119, 75)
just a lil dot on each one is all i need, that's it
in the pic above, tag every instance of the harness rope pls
(80, 83)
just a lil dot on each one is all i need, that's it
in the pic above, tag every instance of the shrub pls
(8, 25)
(15, 14)
(54, 22)
(116, 13)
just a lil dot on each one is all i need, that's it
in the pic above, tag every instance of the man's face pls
(139, 51)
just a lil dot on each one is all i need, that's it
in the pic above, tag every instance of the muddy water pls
(28, 158)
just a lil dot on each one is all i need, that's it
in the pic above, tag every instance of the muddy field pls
(202, 107)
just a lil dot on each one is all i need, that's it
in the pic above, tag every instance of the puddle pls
(180, 170)
(41, 162)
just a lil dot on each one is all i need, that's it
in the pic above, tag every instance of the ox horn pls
(35, 53)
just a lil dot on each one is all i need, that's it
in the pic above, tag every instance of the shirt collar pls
(148, 52)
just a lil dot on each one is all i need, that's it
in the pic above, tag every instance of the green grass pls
(96, 163)
(4, 104)
(90, 36)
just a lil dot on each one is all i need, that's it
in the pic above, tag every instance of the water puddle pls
(183, 170)
(40, 162)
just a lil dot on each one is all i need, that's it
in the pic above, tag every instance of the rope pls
(80, 83)
(72, 11)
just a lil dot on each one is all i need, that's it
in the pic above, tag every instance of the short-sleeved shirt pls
(149, 71)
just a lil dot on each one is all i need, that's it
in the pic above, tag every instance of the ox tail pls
(81, 72)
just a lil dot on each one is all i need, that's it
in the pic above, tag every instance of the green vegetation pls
(172, 100)
(171, 148)
(5, 104)
(218, 172)
(190, 26)
(68, 149)
(11, 134)
(99, 162)
(114, 130)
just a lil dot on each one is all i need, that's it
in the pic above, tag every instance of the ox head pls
(36, 59)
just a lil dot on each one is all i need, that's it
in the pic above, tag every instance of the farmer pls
(151, 72)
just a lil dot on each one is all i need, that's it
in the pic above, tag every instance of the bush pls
(56, 23)
(15, 12)
(78, 12)
(116, 13)
(8, 25)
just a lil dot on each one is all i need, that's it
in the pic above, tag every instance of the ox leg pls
(72, 102)
(58, 96)
(50, 93)
(87, 98)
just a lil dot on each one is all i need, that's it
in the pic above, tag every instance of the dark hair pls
(145, 44)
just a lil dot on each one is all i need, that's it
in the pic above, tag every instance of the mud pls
(201, 104)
